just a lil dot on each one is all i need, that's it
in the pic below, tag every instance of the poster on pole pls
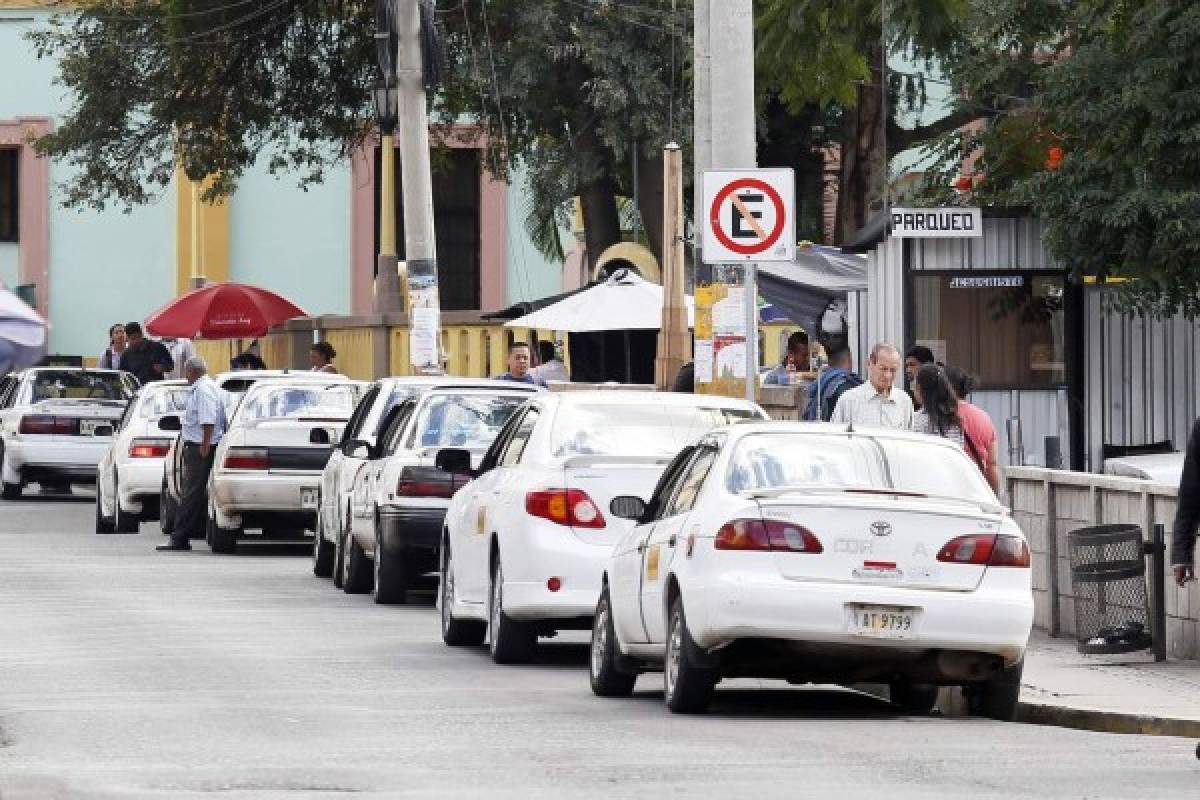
(424, 318)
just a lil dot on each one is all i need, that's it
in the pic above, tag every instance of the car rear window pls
(635, 429)
(469, 421)
(170, 401)
(55, 384)
(295, 401)
(853, 461)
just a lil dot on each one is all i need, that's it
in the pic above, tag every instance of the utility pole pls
(673, 342)
(388, 295)
(419, 277)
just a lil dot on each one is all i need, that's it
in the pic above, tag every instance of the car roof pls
(793, 427)
(452, 381)
(649, 396)
(34, 370)
(171, 384)
(295, 374)
(302, 384)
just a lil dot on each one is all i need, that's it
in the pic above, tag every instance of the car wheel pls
(357, 578)
(323, 552)
(455, 632)
(166, 516)
(608, 677)
(103, 524)
(510, 641)
(913, 698)
(123, 521)
(221, 540)
(391, 579)
(688, 687)
(999, 697)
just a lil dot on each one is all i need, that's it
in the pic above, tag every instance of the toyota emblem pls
(881, 528)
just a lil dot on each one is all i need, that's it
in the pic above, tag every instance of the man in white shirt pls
(551, 369)
(203, 426)
(181, 350)
(878, 403)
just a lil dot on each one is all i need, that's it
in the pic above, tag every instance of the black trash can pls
(1108, 575)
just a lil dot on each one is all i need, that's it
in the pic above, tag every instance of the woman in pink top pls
(979, 434)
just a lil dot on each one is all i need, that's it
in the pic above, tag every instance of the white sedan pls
(816, 553)
(527, 540)
(56, 424)
(267, 467)
(129, 477)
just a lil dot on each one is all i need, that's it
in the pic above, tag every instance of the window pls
(294, 401)
(635, 429)
(470, 421)
(520, 439)
(693, 481)
(9, 194)
(360, 411)
(55, 384)
(167, 401)
(1006, 328)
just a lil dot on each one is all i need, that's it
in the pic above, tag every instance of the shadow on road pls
(270, 547)
(36, 497)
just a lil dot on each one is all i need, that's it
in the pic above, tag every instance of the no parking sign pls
(750, 216)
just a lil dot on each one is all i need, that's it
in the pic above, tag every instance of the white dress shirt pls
(864, 407)
(181, 350)
(205, 406)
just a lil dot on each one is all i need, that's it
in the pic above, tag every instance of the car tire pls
(999, 697)
(221, 541)
(103, 524)
(166, 515)
(917, 699)
(688, 687)
(10, 491)
(391, 582)
(455, 632)
(509, 641)
(123, 521)
(323, 552)
(357, 577)
(608, 676)
(339, 553)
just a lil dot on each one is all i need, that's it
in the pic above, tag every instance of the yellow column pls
(201, 235)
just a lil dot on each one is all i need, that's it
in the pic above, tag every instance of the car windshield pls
(296, 401)
(635, 429)
(167, 401)
(469, 421)
(48, 385)
(850, 461)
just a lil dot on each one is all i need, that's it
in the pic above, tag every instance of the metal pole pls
(1158, 583)
(388, 295)
(673, 344)
(197, 275)
(751, 299)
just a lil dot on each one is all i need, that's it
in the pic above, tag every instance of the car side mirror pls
(171, 422)
(627, 506)
(357, 448)
(103, 430)
(319, 436)
(454, 460)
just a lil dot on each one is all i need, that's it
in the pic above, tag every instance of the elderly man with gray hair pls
(878, 403)
(203, 426)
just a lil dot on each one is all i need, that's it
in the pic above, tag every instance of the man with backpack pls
(834, 380)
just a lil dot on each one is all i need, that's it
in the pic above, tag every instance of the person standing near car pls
(519, 357)
(1187, 513)
(321, 356)
(111, 358)
(203, 427)
(181, 350)
(940, 415)
(878, 403)
(551, 368)
(146, 359)
(979, 432)
(835, 379)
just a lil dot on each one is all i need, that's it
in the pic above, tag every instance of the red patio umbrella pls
(222, 311)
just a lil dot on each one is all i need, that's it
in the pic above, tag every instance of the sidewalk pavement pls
(1114, 694)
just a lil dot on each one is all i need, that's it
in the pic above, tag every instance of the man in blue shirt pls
(519, 357)
(795, 360)
(203, 426)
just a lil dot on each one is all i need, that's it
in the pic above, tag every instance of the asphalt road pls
(127, 673)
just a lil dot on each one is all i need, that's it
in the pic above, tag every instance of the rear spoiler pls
(597, 460)
(781, 491)
(257, 421)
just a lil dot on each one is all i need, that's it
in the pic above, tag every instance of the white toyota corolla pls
(816, 553)
(129, 477)
(526, 541)
(267, 467)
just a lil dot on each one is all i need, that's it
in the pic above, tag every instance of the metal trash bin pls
(1108, 575)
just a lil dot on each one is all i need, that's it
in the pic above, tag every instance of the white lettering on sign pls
(937, 223)
(988, 282)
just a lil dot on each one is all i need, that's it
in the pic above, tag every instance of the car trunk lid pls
(604, 477)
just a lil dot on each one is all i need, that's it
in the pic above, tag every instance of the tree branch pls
(903, 138)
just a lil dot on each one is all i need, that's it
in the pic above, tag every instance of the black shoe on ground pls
(173, 545)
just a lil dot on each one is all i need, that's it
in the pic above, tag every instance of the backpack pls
(830, 384)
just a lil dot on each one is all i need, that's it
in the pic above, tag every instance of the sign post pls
(749, 219)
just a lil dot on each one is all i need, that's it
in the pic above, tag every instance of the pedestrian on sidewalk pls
(834, 380)
(796, 359)
(878, 403)
(146, 359)
(552, 368)
(203, 427)
(111, 357)
(250, 358)
(939, 414)
(321, 356)
(978, 429)
(916, 357)
(519, 356)
(181, 350)
(1187, 514)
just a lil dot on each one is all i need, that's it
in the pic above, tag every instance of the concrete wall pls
(1049, 504)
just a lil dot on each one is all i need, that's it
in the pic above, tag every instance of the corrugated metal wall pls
(1143, 378)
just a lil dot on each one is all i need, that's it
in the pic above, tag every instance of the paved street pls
(130, 673)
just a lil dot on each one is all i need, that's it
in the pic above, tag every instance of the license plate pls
(87, 427)
(308, 498)
(882, 622)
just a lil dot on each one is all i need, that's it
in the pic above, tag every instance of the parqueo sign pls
(750, 216)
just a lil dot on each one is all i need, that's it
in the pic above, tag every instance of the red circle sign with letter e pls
(763, 239)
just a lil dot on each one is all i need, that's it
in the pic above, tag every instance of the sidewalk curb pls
(1106, 721)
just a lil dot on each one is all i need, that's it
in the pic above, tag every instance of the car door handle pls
(642, 547)
(671, 541)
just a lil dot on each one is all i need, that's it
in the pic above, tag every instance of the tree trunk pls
(601, 222)
(862, 171)
(650, 198)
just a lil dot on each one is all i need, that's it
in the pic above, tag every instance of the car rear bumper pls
(413, 532)
(236, 494)
(989, 620)
(77, 459)
(140, 477)
(555, 553)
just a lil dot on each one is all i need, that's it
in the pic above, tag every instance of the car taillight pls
(48, 424)
(772, 534)
(564, 506)
(149, 448)
(246, 458)
(429, 482)
(986, 549)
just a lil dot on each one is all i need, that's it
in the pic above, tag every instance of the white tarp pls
(624, 302)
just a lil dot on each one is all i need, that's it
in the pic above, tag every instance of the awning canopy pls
(804, 289)
(624, 302)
